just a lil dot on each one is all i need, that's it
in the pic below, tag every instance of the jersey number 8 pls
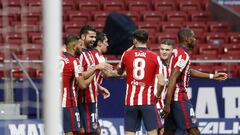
(138, 68)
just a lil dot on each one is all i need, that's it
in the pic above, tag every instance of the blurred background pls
(216, 24)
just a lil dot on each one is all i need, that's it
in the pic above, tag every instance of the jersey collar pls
(184, 48)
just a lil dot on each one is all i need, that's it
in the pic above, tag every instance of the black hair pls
(141, 36)
(184, 33)
(100, 36)
(84, 29)
(71, 38)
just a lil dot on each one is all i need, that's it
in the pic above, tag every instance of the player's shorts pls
(89, 120)
(71, 120)
(181, 116)
(133, 115)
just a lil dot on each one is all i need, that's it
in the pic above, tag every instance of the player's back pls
(141, 67)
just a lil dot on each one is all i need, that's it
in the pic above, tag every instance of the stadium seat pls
(200, 16)
(176, 16)
(172, 27)
(113, 5)
(100, 15)
(197, 27)
(14, 5)
(34, 5)
(150, 16)
(149, 27)
(72, 27)
(164, 5)
(161, 36)
(35, 37)
(78, 16)
(31, 17)
(209, 49)
(15, 38)
(99, 25)
(218, 26)
(138, 5)
(231, 49)
(189, 5)
(134, 15)
(25, 27)
(233, 37)
(204, 57)
(8, 16)
(89, 5)
(68, 5)
(215, 38)
(229, 56)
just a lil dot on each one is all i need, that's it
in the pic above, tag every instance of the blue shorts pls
(89, 117)
(71, 120)
(134, 114)
(181, 116)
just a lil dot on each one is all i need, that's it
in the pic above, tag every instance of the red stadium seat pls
(72, 27)
(149, 27)
(113, 5)
(172, 27)
(134, 15)
(218, 26)
(31, 17)
(204, 57)
(200, 16)
(197, 27)
(25, 27)
(15, 38)
(234, 37)
(216, 38)
(161, 36)
(229, 56)
(8, 16)
(89, 5)
(34, 5)
(98, 25)
(138, 5)
(35, 37)
(231, 49)
(14, 5)
(209, 49)
(150, 16)
(176, 16)
(68, 5)
(79, 16)
(189, 5)
(164, 5)
(100, 15)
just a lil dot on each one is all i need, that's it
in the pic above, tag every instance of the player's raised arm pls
(217, 76)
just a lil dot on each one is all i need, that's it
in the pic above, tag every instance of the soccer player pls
(178, 111)
(87, 98)
(71, 71)
(141, 66)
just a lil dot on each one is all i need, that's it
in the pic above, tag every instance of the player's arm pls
(171, 86)
(216, 76)
(91, 71)
(160, 85)
(105, 92)
(83, 83)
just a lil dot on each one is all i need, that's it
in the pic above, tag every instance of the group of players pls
(152, 81)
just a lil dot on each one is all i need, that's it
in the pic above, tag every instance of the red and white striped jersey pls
(163, 70)
(141, 67)
(180, 61)
(70, 68)
(89, 95)
(99, 58)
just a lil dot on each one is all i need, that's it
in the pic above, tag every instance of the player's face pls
(104, 45)
(165, 51)
(90, 38)
(78, 47)
(192, 40)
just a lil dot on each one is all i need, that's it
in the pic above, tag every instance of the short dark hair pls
(71, 38)
(141, 36)
(183, 33)
(167, 41)
(100, 36)
(84, 29)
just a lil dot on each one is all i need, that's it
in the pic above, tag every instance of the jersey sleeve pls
(181, 61)
(77, 68)
(121, 64)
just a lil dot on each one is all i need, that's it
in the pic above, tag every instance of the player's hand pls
(104, 66)
(165, 111)
(220, 76)
(105, 93)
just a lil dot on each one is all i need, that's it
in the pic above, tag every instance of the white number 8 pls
(138, 68)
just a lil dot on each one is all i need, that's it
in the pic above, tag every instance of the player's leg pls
(151, 119)
(71, 120)
(185, 117)
(169, 124)
(132, 120)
